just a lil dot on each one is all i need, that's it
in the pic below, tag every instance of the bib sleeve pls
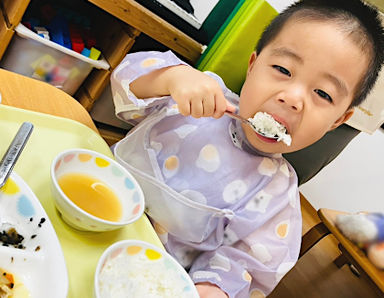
(128, 107)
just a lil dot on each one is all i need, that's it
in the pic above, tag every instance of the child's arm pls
(142, 82)
(208, 290)
(195, 93)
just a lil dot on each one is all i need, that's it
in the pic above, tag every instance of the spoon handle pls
(237, 117)
(14, 150)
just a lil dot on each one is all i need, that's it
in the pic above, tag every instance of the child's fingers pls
(197, 109)
(184, 107)
(230, 107)
(222, 105)
(208, 105)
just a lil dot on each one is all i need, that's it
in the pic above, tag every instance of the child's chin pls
(272, 148)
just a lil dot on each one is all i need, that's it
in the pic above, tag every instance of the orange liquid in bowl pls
(92, 195)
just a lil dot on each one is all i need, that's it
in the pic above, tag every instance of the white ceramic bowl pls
(134, 268)
(105, 169)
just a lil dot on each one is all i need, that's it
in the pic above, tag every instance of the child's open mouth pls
(265, 125)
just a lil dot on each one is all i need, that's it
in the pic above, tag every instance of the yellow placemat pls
(50, 136)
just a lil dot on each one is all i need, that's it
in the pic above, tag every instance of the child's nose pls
(293, 99)
(295, 105)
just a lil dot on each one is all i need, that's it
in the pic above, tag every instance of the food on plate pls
(267, 126)
(141, 272)
(7, 284)
(11, 287)
(10, 237)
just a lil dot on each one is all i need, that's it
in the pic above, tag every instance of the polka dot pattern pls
(259, 203)
(151, 62)
(246, 276)
(267, 167)
(206, 275)
(171, 166)
(24, 205)
(282, 229)
(84, 157)
(128, 183)
(184, 130)
(256, 293)
(161, 232)
(10, 187)
(208, 159)
(261, 253)
(283, 269)
(133, 250)
(220, 262)
(152, 254)
(234, 191)
(101, 162)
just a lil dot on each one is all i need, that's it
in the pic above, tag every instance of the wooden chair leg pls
(314, 235)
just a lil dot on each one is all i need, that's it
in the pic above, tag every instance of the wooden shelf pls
(13, 10)
(11, 13)
(134, 14)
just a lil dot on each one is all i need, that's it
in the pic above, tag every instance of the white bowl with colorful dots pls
(92, 192)
(134, 268)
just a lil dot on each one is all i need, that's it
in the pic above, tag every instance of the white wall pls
(354, 181)
(279, 5)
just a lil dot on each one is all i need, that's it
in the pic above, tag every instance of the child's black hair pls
(361, 21)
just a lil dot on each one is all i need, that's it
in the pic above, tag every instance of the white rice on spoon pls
(266, 125)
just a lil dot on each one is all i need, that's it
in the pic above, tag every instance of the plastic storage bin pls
(31, 55)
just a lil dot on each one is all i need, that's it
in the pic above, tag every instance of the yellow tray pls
(50, 136)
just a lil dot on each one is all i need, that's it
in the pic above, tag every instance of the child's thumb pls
(230, 107)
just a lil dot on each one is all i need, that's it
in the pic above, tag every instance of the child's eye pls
(324, 95)
(282, 70)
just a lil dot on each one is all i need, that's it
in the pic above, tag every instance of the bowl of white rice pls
(134, 268)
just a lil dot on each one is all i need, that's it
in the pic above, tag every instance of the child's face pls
(306, 79)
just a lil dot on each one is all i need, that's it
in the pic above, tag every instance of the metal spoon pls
(14, 151)
(246, 121)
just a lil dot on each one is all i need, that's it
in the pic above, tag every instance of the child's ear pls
(343, 118)
(251, 62)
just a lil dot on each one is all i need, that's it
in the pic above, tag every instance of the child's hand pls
(208, 290)
(196, 93)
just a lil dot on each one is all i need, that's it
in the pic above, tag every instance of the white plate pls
(141, 265)
(40, 264)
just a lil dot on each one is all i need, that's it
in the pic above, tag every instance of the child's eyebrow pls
(340, 85)
(282, 51)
